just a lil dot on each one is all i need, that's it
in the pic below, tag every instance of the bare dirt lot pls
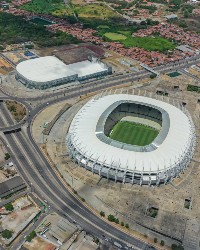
(193, 23)
(24, 209)
(39, 244)
(73, 53)
(5, 67)
(17, 110)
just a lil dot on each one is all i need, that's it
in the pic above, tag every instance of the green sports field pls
(133, 133)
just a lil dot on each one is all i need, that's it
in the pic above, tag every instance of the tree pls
(102, 214)
(7, 156)
(152, 76)
(9, 207)
(175, 247)
(7, 234)
(162, 243)
(31, 236)
(155, 240)
(116, 221)
(122, 223)
(186, 14)
(127, 225)
(111, 218)
(143, 23)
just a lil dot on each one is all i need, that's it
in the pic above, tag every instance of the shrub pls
(9, 207)
(155, 240)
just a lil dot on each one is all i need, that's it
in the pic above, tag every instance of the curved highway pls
(43, 179)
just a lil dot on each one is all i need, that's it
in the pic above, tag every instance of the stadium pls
(49, 71)
(132, 138)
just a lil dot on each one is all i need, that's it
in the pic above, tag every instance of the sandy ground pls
(45, 117)
(39, 244)
(5, 67)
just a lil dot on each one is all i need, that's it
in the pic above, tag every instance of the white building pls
(49, 71)
(160, 161)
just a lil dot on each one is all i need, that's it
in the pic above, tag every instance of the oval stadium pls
(131, 138)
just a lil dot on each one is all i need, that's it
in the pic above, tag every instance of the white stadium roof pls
(44, 69)
(86, 67)
(175, 145)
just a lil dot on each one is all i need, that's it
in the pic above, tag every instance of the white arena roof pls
(44, 69)
(86, 67)
(174, 147)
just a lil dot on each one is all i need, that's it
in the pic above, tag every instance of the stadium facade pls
(49, 71)
(159, 162)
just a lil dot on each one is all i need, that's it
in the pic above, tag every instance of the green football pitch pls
(133, 133)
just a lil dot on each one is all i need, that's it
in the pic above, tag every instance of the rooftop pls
(87, 67)
(44, 69)
(170, 148)
(12, 185)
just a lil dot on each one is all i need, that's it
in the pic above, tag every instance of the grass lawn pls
(133, 133)
(103, 27)
(58, 8)
(149, 43)
(97, 11)
(115, 36)
(43, 6)
(125, 32)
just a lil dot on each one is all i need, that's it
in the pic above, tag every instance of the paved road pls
(38, 173)
(113, 81)
(35, 168)
(189, 74)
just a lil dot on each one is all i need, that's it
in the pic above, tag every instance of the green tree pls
(155, 240)
(111, 218)
(175, 247)
(162, 243)
(127, 225)
(152, 76)
(122, 223)
(7, 156)
(186, 14)
(102, 214)
(9, 207)
(7, 234)
(116, 221)
(31, 236)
